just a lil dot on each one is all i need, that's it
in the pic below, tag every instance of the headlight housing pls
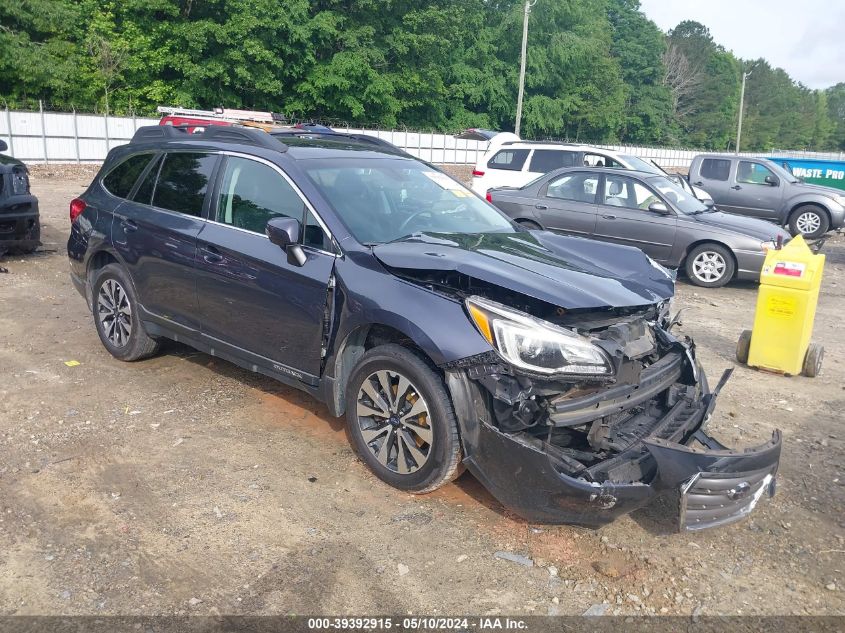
(768, 246)
(536, 345)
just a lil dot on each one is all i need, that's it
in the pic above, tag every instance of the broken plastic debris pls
(72, 363)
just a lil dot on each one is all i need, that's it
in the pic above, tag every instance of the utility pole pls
(741, 107)
(528, 5)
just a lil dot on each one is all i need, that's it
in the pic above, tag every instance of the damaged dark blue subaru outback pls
(447, 336)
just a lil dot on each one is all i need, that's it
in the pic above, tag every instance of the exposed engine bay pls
(591, 426)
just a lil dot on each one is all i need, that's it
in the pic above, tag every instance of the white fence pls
(52, 137)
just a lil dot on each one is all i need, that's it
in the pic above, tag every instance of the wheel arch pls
(355, 344)
(794, 206)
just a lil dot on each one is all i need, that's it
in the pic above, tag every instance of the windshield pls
(685, 203)
(383, 200)
(640, 165)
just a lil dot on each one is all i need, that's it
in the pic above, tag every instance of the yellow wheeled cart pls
(786, 309)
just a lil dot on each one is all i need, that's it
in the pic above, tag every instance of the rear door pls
(624, 218)
(567, 203)
(544, 161)
(251, 299)
(156, 235)
(714, 176)
(751, 195)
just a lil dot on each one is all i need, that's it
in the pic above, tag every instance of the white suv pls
(516, 163)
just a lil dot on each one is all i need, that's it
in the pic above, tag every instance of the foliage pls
(597, 70)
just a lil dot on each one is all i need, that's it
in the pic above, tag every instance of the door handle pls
(698, 184)
(609, 217)
(211, 255)
(129, 225)
(737, 187)
(542, 207)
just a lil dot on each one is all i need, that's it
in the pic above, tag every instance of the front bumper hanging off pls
(713, 485)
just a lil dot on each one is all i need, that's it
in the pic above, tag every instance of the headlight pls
(840, 200)
(534, 344)
(768, 246)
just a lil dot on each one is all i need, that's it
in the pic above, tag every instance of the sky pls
(806, 38)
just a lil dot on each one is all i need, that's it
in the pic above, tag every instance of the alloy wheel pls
(394, 421)
(808, 222)
(709, 266)
(114, 313)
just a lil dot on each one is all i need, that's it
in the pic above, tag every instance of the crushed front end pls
(587, 446)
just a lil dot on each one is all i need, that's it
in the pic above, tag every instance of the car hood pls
(569, 272)
(751, 227)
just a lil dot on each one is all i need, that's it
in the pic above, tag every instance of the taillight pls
(77, 206)
(489, 197)
(476, 172)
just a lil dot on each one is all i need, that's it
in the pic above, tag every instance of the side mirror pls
(3, 146)
(659, 207)
(708, 202)
(284, 233)
(772, 180)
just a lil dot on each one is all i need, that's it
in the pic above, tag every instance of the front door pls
(156, 235)
(750, 194)
(624, 217)
(251, 299)
(567, 204)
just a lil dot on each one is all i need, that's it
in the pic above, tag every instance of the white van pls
(514, 163)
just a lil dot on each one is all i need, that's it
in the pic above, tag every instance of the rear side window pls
(183, 181)
(121, 179)
(715, 168)
(545, 160)
(510, 159)
(579, 187)
(145, 191)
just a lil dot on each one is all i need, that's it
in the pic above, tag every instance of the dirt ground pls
(183, 484)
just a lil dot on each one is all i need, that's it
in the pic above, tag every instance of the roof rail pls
(242, 135)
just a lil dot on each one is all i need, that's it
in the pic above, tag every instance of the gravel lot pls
(183, 484)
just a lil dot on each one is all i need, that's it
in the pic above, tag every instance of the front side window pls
(752, 173)
(509, 159)
(715, 169)
(545, 160)
(620, 191)
(183, 181)
(387, 199)
(253, 193)
(579, 187)
(121, 179)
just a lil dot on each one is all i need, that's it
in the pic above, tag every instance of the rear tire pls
(809, 221)
(813, 360)
(743, 345)
(528, 224)
(710, 265)
(116, 315)
(416, 452)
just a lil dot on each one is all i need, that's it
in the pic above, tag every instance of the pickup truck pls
(761, 188)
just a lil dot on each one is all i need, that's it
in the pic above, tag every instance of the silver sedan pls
(647, 211)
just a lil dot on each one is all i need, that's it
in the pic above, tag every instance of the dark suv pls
(20, 226)
(448, 336)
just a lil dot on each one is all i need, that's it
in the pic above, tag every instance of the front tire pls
(401, 420)
(116, 316)
(710, 265)
(808, 221)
